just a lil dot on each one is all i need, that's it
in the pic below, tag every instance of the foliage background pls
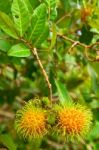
(21, 78)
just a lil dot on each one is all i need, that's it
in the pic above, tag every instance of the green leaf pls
(63, 93)
(22, 13)
(50, 3)
(43, 36)
(51, 6)
(53, 14)
(94, 79)
(94, 134)
(38, 22)
(34, 3)
(7, 25)
(4, 45)
(7, 140)
(5, 5)
(19, 50)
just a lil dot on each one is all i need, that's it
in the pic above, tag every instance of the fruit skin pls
(74, 120)
(31, 121)
(71, 120)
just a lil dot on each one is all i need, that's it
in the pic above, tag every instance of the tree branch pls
(34, 52)
(86, 47)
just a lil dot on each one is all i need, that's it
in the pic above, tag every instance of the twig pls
(86, 47)
(43, 71)
(34, 52)
(71, 40)
(93, 44)
(73, 45)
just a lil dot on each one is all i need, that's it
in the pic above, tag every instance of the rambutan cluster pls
(70, 120)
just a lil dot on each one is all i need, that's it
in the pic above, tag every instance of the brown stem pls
(71, 40)
(34, 52)
(93, 44)
(86, 47)
(73, 45)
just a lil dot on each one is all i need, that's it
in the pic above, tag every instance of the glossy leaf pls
(38, 22)
(22, 12)
(43, 36)
(34, 3)
(63, 93)
(5, 5)
(4, 45)
(7, 25)
(51, 5)
(19, 50)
